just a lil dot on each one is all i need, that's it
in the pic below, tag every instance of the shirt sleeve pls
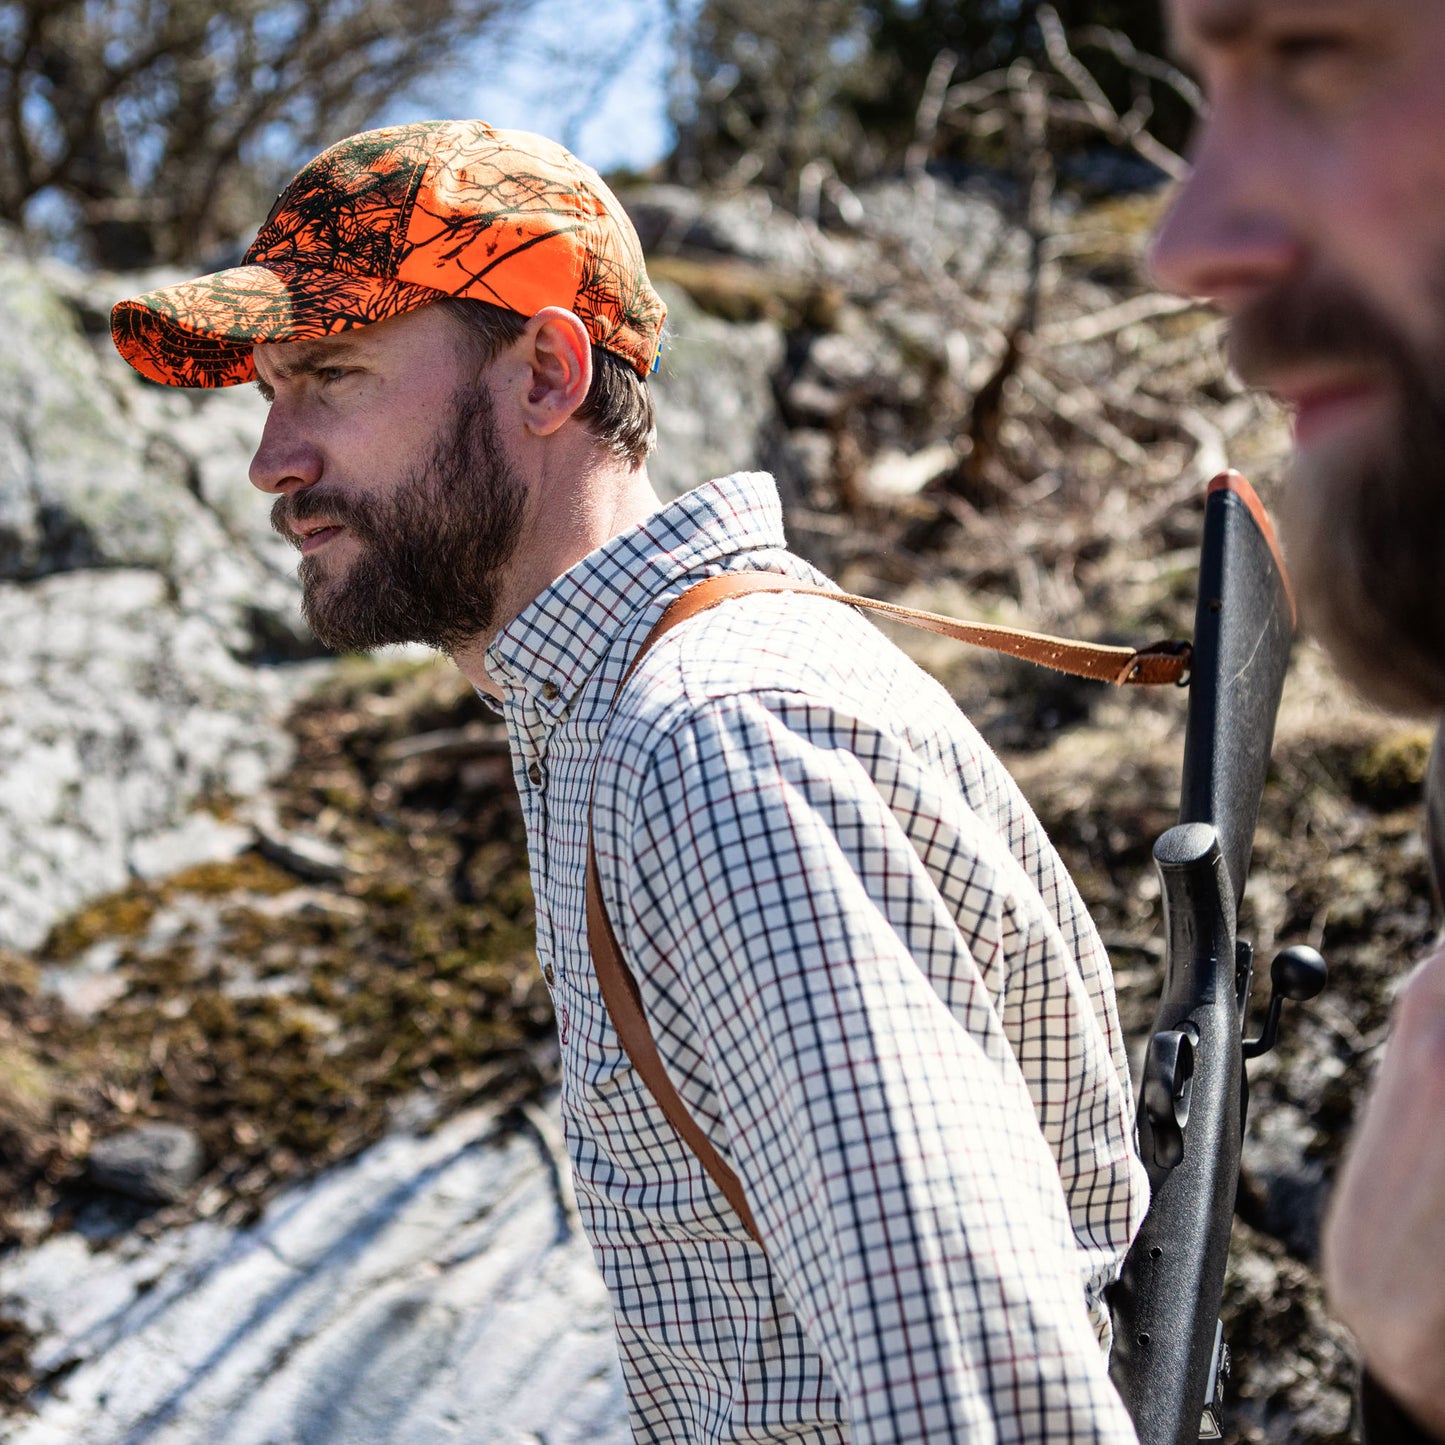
(786, 935)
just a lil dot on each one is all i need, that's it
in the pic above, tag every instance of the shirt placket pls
(539, 716)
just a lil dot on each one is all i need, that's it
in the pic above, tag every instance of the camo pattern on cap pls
(392, 219)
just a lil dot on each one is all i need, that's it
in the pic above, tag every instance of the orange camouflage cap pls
(393, 219)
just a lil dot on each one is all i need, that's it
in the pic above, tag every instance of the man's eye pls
(1320, 67)
(330, 374)
(1306, 45)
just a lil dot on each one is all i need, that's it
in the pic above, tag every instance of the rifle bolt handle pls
(1298, 973)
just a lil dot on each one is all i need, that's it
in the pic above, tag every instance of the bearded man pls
(865, 969)
(1315, 216)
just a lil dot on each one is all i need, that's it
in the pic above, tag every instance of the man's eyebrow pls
(302, 357)
(1223, 24)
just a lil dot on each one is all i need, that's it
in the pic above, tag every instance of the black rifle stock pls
(1193, 1092)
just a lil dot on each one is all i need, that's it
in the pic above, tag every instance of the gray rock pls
(1283, 1188)
(434, 1291)
(139, 584)
(88, 984)
(155, 1163)
(747, 225)
(963, 233)
(199, 838)
(716, 411)
(90, 476)
(119, 710)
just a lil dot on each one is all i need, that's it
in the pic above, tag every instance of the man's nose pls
(285, 461)
(1226, 236)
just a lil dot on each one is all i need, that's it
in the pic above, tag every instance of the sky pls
(589, 73)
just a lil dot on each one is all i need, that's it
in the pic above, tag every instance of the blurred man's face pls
(1316, 218)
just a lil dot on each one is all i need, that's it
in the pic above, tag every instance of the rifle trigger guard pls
(1168, 1085)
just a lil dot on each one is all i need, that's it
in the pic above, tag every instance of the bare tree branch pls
(1123, 131)
(930, 109)
(1098, 37)
(164, 124)
(1114, 318)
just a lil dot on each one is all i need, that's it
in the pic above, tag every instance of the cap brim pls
(200, 333)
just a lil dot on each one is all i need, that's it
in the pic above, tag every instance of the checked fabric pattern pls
(872, 982)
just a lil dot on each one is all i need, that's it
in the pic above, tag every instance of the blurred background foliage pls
(777, 84)
(148, 131)
(144, 132)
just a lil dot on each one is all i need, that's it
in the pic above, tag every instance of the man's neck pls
(564, 523)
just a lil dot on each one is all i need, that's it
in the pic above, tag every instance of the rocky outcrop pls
(134, 610)
(435, 1290)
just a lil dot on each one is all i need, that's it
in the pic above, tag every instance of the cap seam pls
(401, 225)
(590, 221)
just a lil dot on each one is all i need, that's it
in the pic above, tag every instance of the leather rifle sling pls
(1163, 662)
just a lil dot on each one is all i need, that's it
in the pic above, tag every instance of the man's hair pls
(618, 410)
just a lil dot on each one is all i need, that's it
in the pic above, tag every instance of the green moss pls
(19, 981)
(390, 893)
(419, 974)
(27, 1090)
(1391, 772)
(248, 873)
(118, 915)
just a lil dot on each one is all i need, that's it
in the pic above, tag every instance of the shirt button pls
(534, 772)
(549, 975)
(551, 691)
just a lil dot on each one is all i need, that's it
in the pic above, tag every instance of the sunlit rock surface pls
(133, 617)
(435, 1290)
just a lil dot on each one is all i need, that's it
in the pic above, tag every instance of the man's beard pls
(1364, 526)
(431, 550)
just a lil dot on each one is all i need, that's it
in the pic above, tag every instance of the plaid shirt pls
(870, 979)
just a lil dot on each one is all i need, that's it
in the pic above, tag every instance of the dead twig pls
(473, 740)
(930, 111)
(1122, 130)
(1112, 319)
(1211, 456)
(1076, 407)
(1099, 37)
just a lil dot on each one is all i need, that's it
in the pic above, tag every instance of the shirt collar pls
(554, 644)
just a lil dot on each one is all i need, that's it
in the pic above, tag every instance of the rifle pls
(1169, 1357)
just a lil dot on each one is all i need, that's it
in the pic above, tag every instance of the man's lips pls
(1324, 402)
(313, 535)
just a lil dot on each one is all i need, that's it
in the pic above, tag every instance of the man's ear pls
(557, 353)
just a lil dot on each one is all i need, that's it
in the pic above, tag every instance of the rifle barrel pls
(1166, 1303)
(1244, 623)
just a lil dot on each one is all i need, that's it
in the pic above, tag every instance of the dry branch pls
(1123, 130)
